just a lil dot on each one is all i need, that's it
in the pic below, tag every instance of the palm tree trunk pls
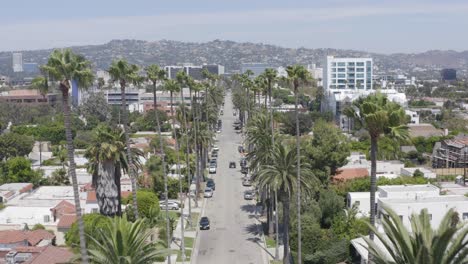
(299, 229)
(373, 183)
(187, 153)
(270, 213)
(106, 189)
(164, 166)
(277, 227)
(117, 176)
(72, 172)
(131, 167)
(180, 178)
(286, 256)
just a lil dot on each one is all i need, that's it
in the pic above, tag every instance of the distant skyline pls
(383, 26)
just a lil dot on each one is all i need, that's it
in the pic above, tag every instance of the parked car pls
(214, 154)
(215, 148)
(232, 165)
(211, 184)
(246, 183)
(249, 195)
(244, 170)
(212, 169)
(240, 149)
(204, 223)
(170, 205)
(208, 193)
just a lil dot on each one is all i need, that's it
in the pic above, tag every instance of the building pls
(28, 96)
(424, 130)
(316, 73)
(414, 116)
(194, 71)
(30, 67)
(448, 74)
(214, 69)
(10, 190)
(451, 153)
(256, 68)
(428, 174)
(347, 74)
(37, 255)
(17, 62)
(346, 174)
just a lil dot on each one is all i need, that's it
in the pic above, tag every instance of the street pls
(234, 236)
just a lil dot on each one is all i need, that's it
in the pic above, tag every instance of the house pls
(428, 174)
(361, 200)
(37, 255)
(424, 130)
(451, 153)
(389, 169)
(346, 174)
(10, 239)
(10, 190)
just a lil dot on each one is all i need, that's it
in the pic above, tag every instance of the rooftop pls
(355, 195)
(18, 236)
(20, 215)
(424, 130)
(408, 188)
(344, 174)
(433, 200)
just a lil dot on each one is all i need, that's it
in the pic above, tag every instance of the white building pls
(428, 174)
(347, 74)
(256, 68)
(413, 115)
(317, 73)
(17, 62)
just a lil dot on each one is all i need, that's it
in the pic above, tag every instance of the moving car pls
(170, 205)
(232, 165)
(249, 195)
(208, 193)
(211, 184)
(204, 223)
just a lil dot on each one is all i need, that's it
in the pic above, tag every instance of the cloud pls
(202, 26)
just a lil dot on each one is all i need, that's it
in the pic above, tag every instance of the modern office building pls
(256, 68)
(214, 68)
(448, 74)
(194, 71)
(347, 73)
(17, 62)
(171, 71)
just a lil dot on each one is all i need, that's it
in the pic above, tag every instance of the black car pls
(240, 149)
(204, 223)
(232, 165)
(211, 184)
(244, 170)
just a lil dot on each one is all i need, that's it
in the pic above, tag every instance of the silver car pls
(208, 193)
(249, 195)
(170, 205)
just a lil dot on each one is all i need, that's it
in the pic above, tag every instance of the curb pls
(197, 237)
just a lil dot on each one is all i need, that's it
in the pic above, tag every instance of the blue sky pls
(385, 26)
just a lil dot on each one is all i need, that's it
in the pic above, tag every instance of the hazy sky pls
(385, 26)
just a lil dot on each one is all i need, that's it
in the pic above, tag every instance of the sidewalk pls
(189, 233)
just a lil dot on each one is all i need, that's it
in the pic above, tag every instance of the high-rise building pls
(256, 68)
(17, 62)
(448, 74)
(347, 73)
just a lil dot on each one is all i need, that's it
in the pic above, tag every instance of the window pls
(341, 75)
(334, 81)
(350, 63)
(401, 217)
(333, 69)
(360, 64)
(360, 75)
(350, 69)
(357, 203)
(341, 64)
(333, 75)
(333, 63)
(351, 75)
(341, 69)
(360, 69)
(465, 216)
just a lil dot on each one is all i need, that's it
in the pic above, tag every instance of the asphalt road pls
(234, 235)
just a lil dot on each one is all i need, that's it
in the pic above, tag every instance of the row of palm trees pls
(111, 154)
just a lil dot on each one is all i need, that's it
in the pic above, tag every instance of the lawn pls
(270, 242)
(195, 217)
(189, 242)
(188, 254)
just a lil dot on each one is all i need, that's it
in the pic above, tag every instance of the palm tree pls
(378, 116)
(298, 75)
(107, 158)
(124, 73)
(123, 242)
(422, 244)
(281, 176)
(65, 67)
(155, 74)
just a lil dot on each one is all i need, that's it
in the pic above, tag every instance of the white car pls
(212, 169)
(215, 148)
(170, 205)
(208, 193)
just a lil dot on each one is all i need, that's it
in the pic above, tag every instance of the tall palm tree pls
(154, 74)
(297, 76)
(124, 73)
(65, 67)
(281, 176)
(107, 158)
(124, 242)
(447, 244)
(379, 116)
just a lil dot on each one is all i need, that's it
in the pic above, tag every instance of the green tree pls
(13, 145)
(123, 242)
(18, 169)
(92, 222)
(289, 123)
(281, 176)
(124, 73)
(445, 245)
(379, 116)
(59, 178)
(146, 200)
(64, 67)
(297, 76)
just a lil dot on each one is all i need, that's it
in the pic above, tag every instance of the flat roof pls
(437, 199)
(408, 188)
(14, 186)
(359, 194)
(20, 215)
